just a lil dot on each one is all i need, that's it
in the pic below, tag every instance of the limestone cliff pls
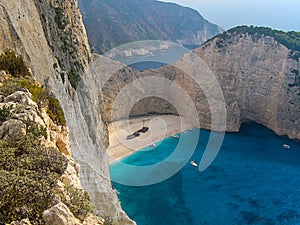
(258, 74)
(52, 40)
(260, 80)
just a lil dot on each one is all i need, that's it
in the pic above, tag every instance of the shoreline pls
(160, 127)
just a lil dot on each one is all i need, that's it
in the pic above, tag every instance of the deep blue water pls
(253, 180)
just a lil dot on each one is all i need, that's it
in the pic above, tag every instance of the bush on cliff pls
(5, 112)
(13, 64)
(28, 173)
(79, 203)
(55, 111)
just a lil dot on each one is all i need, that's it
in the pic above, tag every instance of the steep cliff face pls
(111, 23)
(259, 78)
(51, 38)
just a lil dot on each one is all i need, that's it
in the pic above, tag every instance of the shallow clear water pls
(253, 180)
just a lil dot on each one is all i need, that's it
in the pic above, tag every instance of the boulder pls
(60, 215)
(12, 128)
(21, 97)
(62, 146)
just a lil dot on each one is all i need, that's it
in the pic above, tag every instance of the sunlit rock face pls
(51, 38)
(258, 77)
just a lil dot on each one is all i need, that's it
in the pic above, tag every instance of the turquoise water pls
(253, 180)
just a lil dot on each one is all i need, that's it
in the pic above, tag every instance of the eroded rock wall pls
(258, 77)
(51, 38)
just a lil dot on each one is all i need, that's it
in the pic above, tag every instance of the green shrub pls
(290, 39)
(74, 78)
(43, 99)
(79, 203)
(13, 64)
(5, 113)
(21, 83)
(36, 130)
(55, 111)
(39, 95)
(28, 173)
(11, 85)
(59, 18)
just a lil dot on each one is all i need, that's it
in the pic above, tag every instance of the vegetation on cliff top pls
(289, 39)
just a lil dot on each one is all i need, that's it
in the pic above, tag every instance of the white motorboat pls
(193, 163)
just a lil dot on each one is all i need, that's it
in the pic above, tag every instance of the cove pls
(253, 180)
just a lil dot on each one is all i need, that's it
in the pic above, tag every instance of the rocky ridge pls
(110, 23)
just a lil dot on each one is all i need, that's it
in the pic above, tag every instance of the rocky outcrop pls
(60, 214)
(258, 77)
(111, 23)
(51, 38)
(21, 116)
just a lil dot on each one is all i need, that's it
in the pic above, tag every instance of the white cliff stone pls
(24, 98)
(29, 28)
(93, 220)
(60, 215)
(70, 176)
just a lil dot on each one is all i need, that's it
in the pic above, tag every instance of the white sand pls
(160, 127)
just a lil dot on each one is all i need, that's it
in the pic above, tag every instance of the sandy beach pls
(160, 127)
